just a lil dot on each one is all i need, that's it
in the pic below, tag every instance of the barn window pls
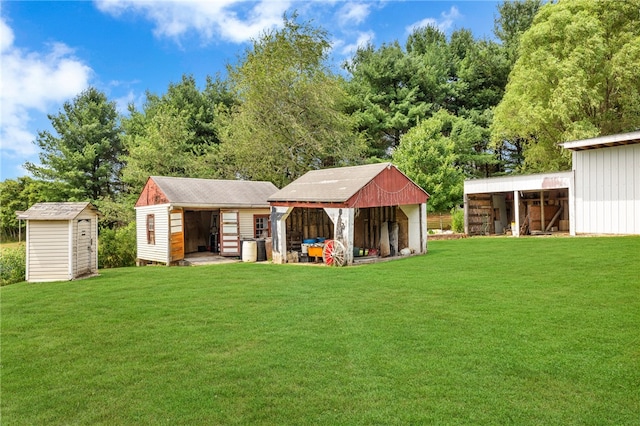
(151, 229)
(261, 226)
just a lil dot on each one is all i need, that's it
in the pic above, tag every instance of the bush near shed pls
(117, 247)
(13, 264)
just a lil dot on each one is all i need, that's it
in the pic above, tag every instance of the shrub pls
(13, 264)
(117, 247)
(457, 220)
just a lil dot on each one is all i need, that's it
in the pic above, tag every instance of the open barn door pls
(177, 235)
(230, 233)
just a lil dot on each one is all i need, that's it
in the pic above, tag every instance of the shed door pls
(83, 247)
(177, 235)
(230, 233)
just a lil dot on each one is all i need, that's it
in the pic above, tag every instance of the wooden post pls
(515, 231)
(542, 211)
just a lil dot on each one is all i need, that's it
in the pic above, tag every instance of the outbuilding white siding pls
(48, 251)
(246, 218)
(607, 190)
(62, 241)
(158, 252)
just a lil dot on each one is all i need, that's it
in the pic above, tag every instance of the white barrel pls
(249, 251)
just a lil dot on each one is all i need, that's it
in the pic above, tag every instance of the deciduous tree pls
(438, 155)
(290, 117)
(576, 77)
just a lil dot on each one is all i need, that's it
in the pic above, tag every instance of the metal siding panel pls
(580, 184)
(614, 191)
(634, 175)
(622, 191)
(608, 190)
(598, 201)
(591, 190)
(607, 201)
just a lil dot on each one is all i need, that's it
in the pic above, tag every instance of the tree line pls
(443, 109)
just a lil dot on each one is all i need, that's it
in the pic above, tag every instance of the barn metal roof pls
(335, 185)
(56, 211)
(603, 141)
(192, 192)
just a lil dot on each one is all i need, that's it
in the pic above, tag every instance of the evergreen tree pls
(84, 153)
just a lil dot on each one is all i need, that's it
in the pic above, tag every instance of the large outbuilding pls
(607, 184)
(373, 208)
(177, 216)
(600, 195)
(61, 241)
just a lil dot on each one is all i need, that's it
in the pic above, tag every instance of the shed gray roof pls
(330, 185)
(55, 211)
(191, 192)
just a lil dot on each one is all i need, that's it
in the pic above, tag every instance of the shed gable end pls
(151, 195)
(389, 188)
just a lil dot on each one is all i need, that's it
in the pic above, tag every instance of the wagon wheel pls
(334, 253)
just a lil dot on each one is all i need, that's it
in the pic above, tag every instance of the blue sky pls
(52, 50)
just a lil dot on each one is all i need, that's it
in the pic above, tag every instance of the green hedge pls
(13, 264)
(117, 247)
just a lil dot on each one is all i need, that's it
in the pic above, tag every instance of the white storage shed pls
(62, 241)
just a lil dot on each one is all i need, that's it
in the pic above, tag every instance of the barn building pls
(607, 184)
(372, 207)
(178, 216)
(61, 241)
(601, 195)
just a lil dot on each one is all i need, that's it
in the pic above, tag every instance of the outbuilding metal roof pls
(191, 192)
(380, 184)
(603, 141)
(335, 185)
(55, 211)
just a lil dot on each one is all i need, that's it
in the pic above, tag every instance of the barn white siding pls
(607, 190)
(48, 251)
(246, 221)
(158, 252)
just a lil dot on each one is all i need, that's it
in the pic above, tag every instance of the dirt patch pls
(446, 236)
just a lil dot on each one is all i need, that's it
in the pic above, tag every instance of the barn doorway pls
(201, 231)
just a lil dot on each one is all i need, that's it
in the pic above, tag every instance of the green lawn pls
(479, 331)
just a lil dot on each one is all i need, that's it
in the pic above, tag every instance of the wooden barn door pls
(229, 233)
(177, 236)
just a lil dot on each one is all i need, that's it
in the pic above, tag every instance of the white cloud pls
(230, 20)
(353, 13)
(31, 83)
(444, 23)
(362, 40)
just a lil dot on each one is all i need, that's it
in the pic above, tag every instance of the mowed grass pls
(479, 331)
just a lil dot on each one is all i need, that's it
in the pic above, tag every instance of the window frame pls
(151, 229)
(255, 225)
